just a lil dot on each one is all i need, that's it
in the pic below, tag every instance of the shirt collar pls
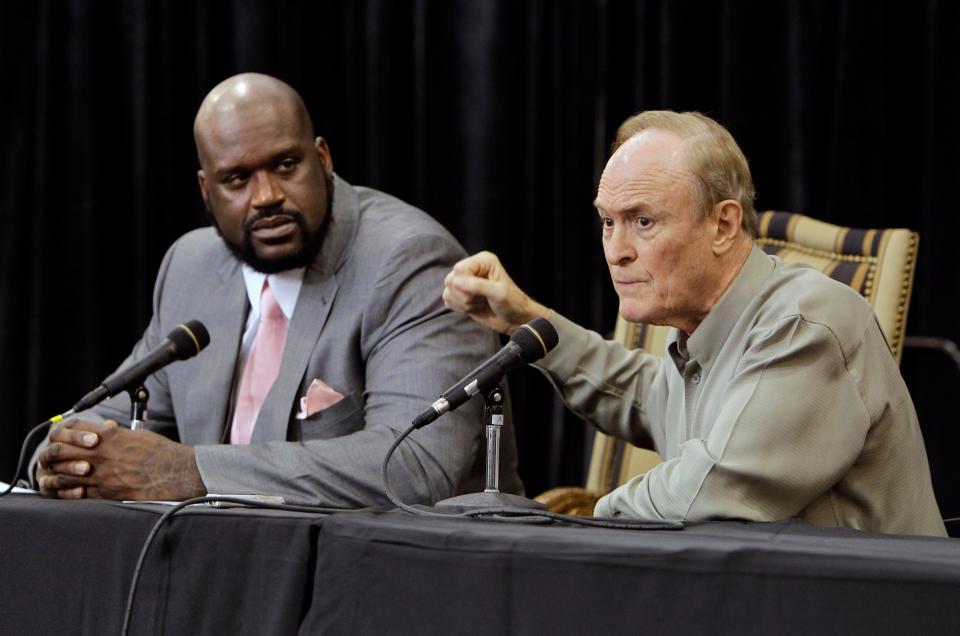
(677, 348)
(705, 343)
(286, 288)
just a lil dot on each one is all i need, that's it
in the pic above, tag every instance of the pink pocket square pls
(319, 396)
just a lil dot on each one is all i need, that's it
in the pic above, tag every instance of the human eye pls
(643, 222)
(606, 223)
(235, 179)
(287, 164)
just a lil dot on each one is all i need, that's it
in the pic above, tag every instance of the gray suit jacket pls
(370, 323)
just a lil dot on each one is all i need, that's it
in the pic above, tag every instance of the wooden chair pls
(878, 263)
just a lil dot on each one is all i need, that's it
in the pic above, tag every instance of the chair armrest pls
(569, 500)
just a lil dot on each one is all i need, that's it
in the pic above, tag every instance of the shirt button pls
(695, 378)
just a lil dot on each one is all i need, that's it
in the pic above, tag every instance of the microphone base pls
(476, 500)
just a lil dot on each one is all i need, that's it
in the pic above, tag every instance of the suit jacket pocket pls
(343, 418)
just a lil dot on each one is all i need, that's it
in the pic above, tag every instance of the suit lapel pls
(209, 400)
(313, 307)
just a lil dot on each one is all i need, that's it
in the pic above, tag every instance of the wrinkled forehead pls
(651, 160)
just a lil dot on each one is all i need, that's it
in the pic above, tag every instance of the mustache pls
(292, 214)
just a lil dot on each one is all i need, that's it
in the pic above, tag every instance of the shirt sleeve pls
(791, 425)
(602, 381)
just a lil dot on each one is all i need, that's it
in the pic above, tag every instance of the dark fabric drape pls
(493, 116)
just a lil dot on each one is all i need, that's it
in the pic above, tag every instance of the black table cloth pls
(398, 574)
(65, 567)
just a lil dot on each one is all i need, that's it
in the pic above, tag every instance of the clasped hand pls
(86, 459)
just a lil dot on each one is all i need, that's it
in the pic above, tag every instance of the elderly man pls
(325, 338)
(778, 395)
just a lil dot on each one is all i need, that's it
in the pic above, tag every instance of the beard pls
(312, 242)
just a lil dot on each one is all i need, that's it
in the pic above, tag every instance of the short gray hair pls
(713, 156)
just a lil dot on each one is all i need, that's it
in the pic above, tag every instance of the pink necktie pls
(263, 365)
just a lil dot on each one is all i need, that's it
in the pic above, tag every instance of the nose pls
(617, 247)
(267, 193)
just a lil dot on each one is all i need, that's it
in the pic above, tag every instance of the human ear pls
(729, 215)
(202, 181)
(323, 151)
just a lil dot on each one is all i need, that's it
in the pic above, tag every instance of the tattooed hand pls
(109, 462)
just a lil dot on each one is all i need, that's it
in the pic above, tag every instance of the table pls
(65, 568)
(411, 575)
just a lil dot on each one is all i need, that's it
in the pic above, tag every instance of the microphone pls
(185, 341)
(528, 344)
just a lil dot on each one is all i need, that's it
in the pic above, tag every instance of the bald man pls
(366, 342)
(777, 396)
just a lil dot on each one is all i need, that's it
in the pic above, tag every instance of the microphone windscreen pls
(189, 339)
(536, 339)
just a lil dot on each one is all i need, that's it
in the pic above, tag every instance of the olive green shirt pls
(785, 401)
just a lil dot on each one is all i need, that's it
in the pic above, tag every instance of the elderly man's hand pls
(480, 287)
(106, 461)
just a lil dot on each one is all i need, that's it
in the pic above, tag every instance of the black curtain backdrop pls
(493, 115)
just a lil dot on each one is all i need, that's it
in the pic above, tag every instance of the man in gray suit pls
(368, 343)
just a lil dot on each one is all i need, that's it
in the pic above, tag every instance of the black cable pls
(509, 514)
(131, 594)
(388, 489)
(26, 446)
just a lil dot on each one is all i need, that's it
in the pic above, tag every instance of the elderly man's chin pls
(634, 311)
(628, 312)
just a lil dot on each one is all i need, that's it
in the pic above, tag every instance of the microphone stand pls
(138, 406)
(491, 497)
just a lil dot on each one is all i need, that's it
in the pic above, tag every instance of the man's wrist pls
(185, 476)
(532, 311)
(195, 480)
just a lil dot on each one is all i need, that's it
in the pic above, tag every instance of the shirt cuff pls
(603, 507)
(207, 458)
(563, 360)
